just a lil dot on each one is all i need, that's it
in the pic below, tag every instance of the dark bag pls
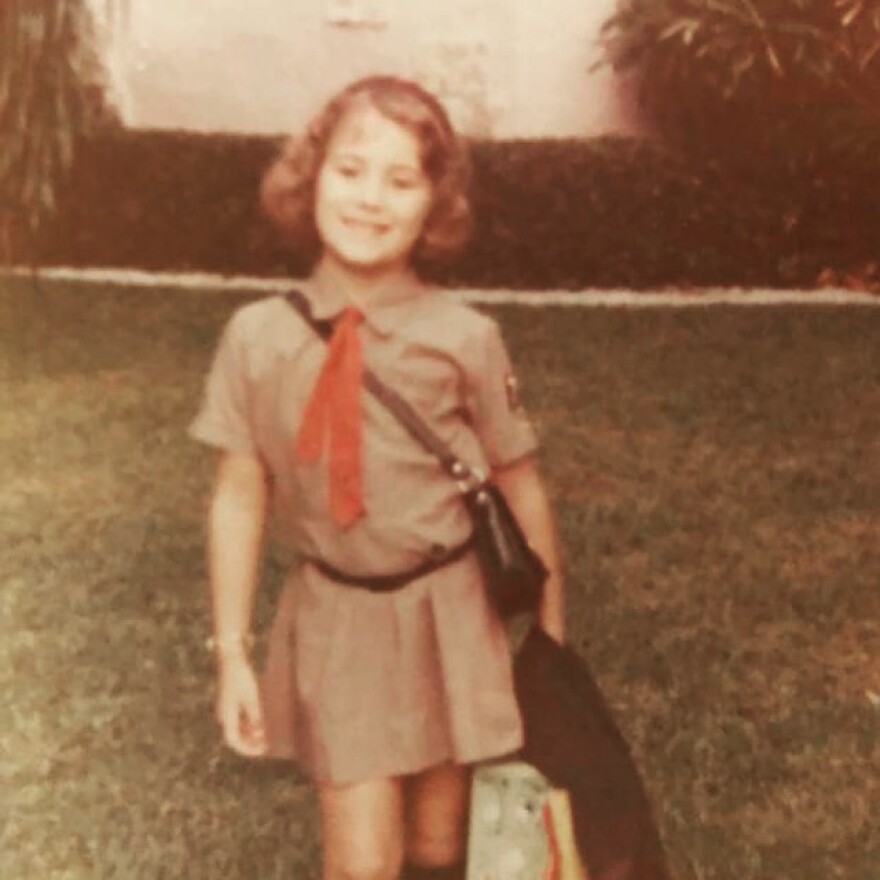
(571, 737)
(514, 574)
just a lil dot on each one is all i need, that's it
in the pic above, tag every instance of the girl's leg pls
(362, 828)
(436, 823)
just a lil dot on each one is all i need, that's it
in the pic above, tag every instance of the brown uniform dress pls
(362, 685)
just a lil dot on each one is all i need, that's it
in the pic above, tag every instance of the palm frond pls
(52, 92)
(780, 59)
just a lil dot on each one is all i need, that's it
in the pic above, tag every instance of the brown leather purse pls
(513, 572)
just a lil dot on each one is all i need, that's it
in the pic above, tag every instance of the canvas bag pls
(520, 827)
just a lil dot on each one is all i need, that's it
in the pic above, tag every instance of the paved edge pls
(700, 298)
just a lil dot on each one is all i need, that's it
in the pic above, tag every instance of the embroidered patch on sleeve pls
(512, 386)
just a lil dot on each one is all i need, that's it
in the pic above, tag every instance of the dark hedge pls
(609, 212)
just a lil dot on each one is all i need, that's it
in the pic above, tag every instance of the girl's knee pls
(435, 847)
(436, 827)
(364, 865)
(362, 830)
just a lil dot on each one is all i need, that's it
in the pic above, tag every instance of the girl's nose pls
(370, 191)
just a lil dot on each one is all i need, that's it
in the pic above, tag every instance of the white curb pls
(200, 281)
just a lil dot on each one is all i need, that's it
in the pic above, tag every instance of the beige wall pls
(505, 68)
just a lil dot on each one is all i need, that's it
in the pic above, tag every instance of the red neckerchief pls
(334, 409)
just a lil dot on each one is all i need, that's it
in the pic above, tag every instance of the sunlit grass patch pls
(716, 476)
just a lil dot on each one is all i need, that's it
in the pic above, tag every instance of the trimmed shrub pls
(609, 212)
(165, 201)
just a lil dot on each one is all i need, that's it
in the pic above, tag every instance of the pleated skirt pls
(360, 685)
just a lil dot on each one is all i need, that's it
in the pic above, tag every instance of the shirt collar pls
(386, 309)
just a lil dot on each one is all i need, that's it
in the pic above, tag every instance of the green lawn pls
(717, 477)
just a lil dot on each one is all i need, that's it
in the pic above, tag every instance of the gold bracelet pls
(223, 644)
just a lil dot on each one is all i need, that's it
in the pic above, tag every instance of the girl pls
(384, 697)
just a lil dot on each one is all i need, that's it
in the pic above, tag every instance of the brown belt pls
(387, 583)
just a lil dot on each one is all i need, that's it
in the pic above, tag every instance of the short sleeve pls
(224, 417)
(499, 419)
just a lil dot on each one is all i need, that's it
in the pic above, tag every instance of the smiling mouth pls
(365, 225)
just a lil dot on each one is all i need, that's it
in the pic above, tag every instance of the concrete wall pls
(505, 68)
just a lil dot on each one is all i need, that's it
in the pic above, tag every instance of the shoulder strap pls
(402, 410)
(300, 303)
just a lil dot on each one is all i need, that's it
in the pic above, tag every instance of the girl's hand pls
(551, 618)
(238, 707)
(554, 627)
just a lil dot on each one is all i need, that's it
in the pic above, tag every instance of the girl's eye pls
(347, 170)
(404, 182)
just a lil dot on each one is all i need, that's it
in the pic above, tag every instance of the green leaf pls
(869, 56)
(687, 27)
(49, 66)
(851, 14)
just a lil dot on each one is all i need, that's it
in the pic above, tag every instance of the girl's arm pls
(236, 521)
(521, 485)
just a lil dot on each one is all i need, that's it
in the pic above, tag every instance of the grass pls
(717, 482)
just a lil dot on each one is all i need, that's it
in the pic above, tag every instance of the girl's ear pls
(275, 189)
(447, 228)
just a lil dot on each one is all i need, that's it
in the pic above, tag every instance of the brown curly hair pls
(287, 192)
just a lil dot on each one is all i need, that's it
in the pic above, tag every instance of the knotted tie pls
(334, 408)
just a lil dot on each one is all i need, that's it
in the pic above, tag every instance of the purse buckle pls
(467, 478)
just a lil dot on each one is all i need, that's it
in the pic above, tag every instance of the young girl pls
(383, 697)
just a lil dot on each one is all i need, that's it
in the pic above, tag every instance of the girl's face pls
(372, 195)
